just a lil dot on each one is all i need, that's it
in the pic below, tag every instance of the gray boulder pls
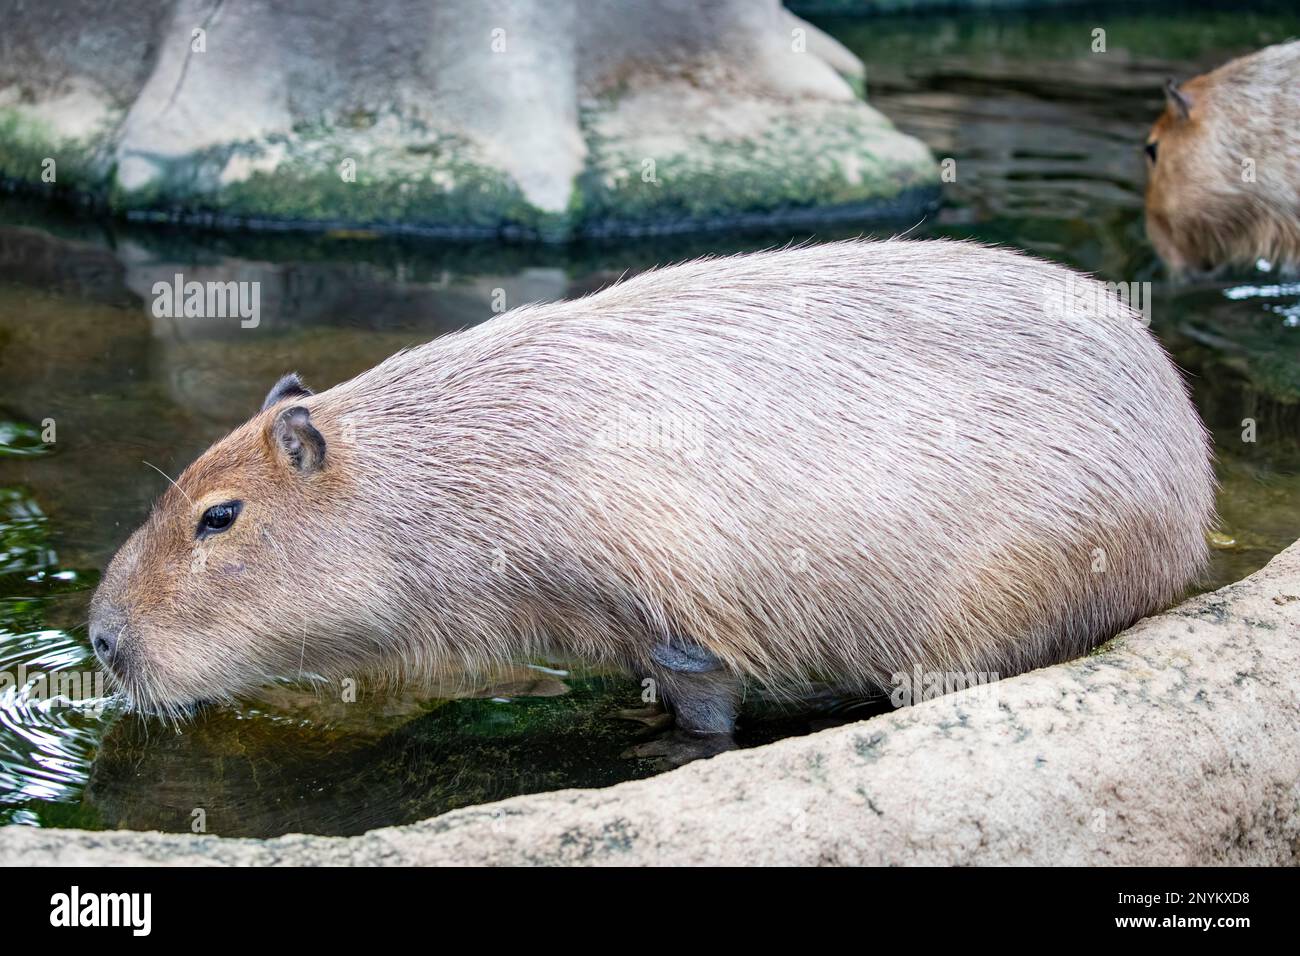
(534, 118)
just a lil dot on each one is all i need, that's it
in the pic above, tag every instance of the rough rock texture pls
(536, 118)
(1176, 743)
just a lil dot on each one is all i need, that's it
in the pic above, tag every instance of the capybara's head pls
(1182, 167)
(236, 575)
(1222, 165)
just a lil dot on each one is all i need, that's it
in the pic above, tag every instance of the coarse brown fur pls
(1223, 185)
(842, 462)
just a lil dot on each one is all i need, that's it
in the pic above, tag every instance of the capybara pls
(1223, 161)
(839, 462)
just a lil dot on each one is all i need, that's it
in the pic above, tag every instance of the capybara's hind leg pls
(702, 694)
(704, 705)
(703, 698)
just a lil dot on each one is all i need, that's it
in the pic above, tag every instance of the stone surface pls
(1175, 743)
(530, 118)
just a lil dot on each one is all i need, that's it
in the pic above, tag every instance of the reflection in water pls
(297, 762)
(1283, 300)
(1046, 138)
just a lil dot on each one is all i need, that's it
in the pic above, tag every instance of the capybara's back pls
(1223, 183)
(852, 459)
(837, 462)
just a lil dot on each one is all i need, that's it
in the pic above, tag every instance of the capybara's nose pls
(104, 640)
(107, 622)
(106, 626)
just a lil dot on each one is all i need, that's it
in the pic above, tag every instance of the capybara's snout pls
(112, 637)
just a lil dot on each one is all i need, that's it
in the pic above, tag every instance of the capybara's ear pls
(297, 439)
(289, 386)
(1179, 102)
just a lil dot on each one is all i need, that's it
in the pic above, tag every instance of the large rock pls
(1176, 743)
(536, 118)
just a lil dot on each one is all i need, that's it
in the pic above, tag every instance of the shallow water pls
(1047, 138)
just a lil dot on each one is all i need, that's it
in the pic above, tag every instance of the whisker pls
(169, 478)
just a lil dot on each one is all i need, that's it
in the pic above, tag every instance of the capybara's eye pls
(218, 518)
(1151, 150)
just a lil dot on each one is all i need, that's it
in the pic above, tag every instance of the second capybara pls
(839, 462)
(1223, 186)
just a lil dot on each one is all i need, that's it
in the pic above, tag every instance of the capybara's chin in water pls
(1223, 161)
(840, 462)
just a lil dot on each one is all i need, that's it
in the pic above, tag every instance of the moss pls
(848, 161)
(1106, 647)
(430, 182)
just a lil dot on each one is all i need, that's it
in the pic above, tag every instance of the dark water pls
(1047, 137)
